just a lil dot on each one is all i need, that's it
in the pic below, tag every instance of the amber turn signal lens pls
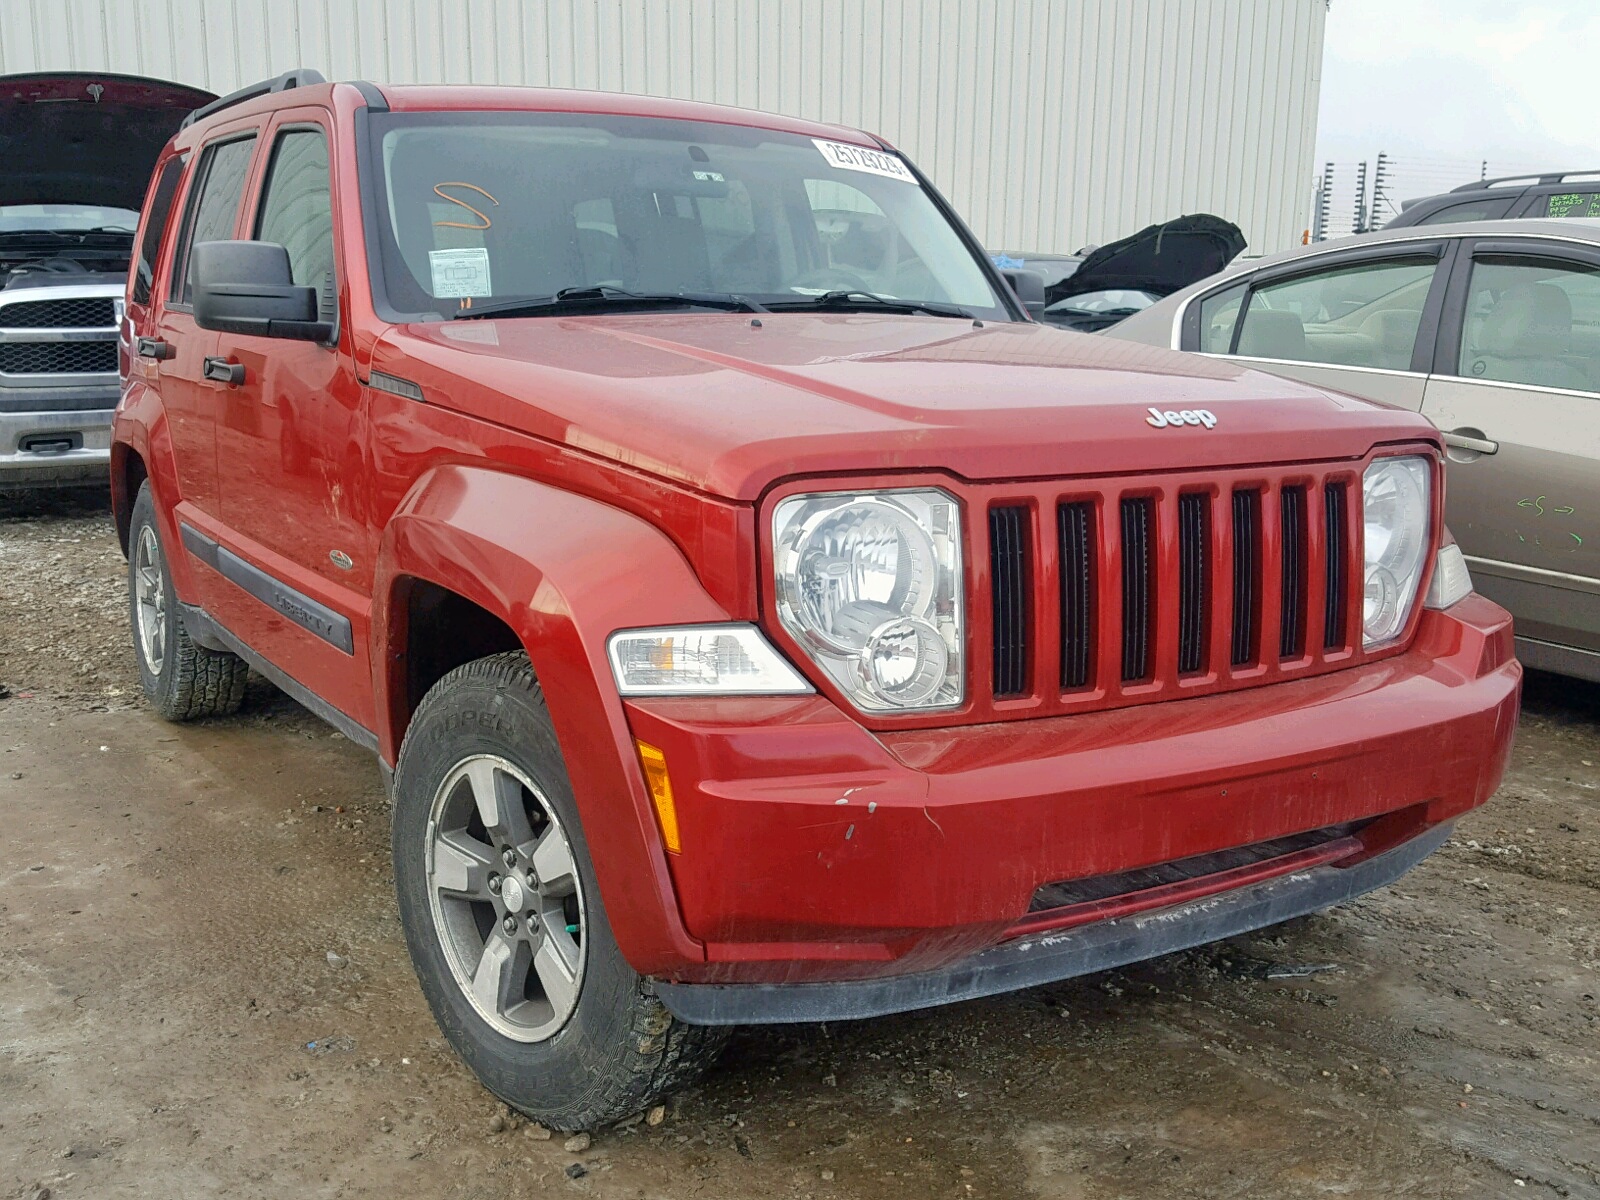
(660, 784)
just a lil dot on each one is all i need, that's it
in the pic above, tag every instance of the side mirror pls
(1029, 287)
(246, 287)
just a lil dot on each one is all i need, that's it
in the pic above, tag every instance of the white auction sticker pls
(859, 158)
(460, 273)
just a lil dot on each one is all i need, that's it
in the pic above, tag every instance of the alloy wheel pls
(505, 896)
(150, 593)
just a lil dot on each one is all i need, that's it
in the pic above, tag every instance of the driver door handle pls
(155, 348)
(1461, 440)
(223, 371)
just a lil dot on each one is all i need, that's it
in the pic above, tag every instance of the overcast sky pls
(1452, 82)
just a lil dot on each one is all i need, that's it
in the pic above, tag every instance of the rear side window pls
(213, 206)
(1533, 321)
(297, 212)
(1469, 210)
(1569, 204)
(155, 225)
(1219, 313)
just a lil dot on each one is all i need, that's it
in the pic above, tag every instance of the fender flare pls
(564, 572)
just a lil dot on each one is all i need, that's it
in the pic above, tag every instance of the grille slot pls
(83, 312)
(58, 358)
(1193, 581)
(1076, 530)
(1136, 586)
(1008, 574)
(1333, 604)
(1292, 558)
(1246, 575)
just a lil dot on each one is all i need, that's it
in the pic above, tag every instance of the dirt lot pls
(172, 1023)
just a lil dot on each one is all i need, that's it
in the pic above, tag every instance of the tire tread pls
(660, 1053)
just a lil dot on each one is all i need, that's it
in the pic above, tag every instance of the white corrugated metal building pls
(1048, 123)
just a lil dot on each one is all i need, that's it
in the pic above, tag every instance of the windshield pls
(74, 218)
(487, 208)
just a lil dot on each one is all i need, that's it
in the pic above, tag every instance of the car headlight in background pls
(1398, 514)
(870, 585)
(700, 660)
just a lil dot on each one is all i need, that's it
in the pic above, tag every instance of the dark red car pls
(761, 623)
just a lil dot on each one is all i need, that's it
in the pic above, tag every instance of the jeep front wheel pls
(504, 919)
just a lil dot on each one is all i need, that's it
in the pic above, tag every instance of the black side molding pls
(311, 615)
(206, 631)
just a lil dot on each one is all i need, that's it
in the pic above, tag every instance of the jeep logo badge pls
(1189, 416)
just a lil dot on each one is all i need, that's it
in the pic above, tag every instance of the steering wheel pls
(60, 266)
(832, 279)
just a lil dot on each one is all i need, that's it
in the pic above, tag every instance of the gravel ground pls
(172, 1023)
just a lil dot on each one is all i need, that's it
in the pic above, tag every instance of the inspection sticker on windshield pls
(859, 158)
(460, 273)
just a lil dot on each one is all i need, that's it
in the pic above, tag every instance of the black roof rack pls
(1525, 177)
(299, 77)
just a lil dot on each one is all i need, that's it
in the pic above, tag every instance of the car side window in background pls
(297, 212)
(1359, 315)
(1570, 204)
(1532, 321)
(213, 206)
(1219, 312)
(1470, 210)
(155, 225)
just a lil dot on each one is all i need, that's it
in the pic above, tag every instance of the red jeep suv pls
(756, 616)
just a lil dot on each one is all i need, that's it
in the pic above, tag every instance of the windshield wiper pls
(605, 296)
(848, 299)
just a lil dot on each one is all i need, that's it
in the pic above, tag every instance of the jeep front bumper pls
(832, 873)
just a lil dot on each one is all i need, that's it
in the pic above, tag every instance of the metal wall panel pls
(1049, 123)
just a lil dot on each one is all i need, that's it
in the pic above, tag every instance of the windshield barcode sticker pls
(460, 273)
(859, 158)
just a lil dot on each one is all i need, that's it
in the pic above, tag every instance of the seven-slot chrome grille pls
(1121, 591)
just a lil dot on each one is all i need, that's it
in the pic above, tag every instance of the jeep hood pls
(1159, 259)
(711, 401)
(80, 138)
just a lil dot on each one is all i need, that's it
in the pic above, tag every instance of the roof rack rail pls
(299, 77)
(1525, 176)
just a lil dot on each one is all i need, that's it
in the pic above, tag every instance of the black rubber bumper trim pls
(309, 614)
(205, 630)
(1050, 957)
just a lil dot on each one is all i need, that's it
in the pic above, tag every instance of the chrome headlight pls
(1398, 516)
(870, 586)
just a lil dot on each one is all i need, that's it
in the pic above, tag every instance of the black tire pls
(619, 1050)
(189, 681)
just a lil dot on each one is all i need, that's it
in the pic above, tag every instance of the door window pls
(297, 212)
(1532, 321)
(213, 206)
(1364, 314)
(155, 225)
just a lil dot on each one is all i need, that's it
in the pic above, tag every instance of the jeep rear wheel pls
(504, 920)
(182, 681)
